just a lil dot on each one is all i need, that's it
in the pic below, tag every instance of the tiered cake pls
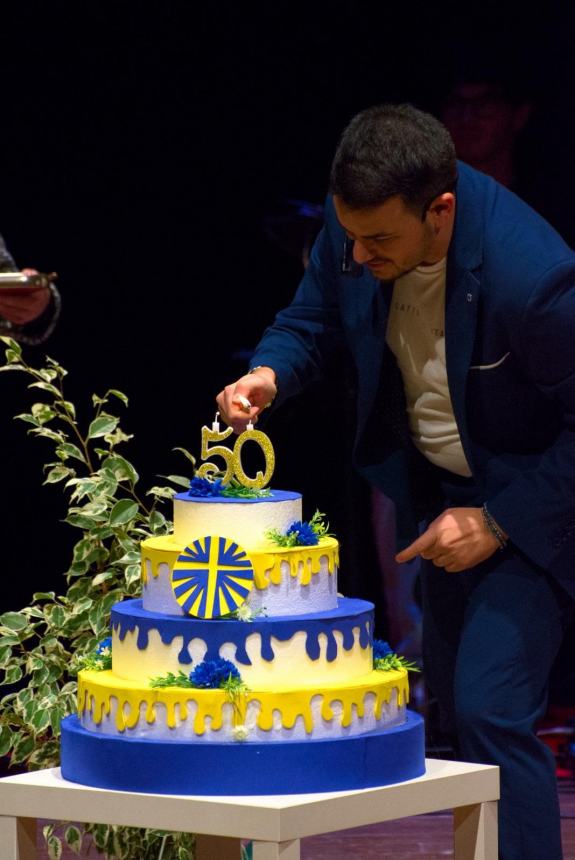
(311, 712)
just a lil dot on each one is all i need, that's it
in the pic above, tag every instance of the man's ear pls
(442, 209)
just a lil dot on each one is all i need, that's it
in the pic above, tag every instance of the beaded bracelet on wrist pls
(492, 526)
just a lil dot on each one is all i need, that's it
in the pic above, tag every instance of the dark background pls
(142, 146)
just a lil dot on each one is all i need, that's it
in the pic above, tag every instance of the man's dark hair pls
(391, 150)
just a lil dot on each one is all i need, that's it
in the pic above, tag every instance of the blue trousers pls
(490, 635)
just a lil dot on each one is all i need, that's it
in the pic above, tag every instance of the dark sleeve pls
(7, 263)
(304, 336)
(537, 509)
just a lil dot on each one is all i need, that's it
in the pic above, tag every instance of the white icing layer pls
(243, 522)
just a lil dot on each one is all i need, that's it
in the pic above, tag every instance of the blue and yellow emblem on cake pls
(212, 577)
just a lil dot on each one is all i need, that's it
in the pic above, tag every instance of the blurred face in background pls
(482, 121)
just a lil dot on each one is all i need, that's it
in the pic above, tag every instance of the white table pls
(274, 823)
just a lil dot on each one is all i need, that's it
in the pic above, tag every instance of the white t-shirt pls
(416, 336)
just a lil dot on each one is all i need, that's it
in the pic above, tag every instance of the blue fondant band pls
(164, 767)
(350, 614)
(275, 496)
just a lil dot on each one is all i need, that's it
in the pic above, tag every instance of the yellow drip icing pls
(267, 561)
(96, 690)
(326, 711)
(159, 550)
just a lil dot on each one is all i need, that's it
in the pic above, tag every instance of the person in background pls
(498, 126)
(457, 304)
(486, 118)
(31, 317)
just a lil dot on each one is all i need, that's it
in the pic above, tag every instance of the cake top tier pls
(243, 520)
(230, 504)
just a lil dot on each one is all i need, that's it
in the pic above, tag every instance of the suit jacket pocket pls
(492, 366)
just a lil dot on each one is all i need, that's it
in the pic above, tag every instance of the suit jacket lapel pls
(462, 297)
(461, 303)
(367, 310)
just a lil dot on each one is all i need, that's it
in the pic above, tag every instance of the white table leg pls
(475, 831)
(217, 848)
(18, 838)
(276, 850)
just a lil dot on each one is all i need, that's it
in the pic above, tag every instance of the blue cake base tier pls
(134, 764)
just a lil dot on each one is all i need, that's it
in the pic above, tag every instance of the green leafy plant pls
(44, 644)
(100, 659)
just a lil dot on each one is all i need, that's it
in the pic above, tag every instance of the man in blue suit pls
(457, 303)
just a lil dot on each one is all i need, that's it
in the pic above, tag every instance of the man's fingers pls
(406, 554)
(242, 402)
(419, 546)
(455, 567)
(235, 409)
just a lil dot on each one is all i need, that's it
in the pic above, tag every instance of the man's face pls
(389, 239)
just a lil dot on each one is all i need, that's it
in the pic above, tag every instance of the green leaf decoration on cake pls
(214, 486)
(171, 680)
(219, 674)
(244, 613)
(236, 490)
(385, 659)
(234, 687)
(394, 661)
(301, 533)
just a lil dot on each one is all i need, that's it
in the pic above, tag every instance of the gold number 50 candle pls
(233, 459)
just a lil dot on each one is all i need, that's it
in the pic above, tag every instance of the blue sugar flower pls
(211, 674)
(381, 649)
(203, 487)
(105, 647)
(305, 534)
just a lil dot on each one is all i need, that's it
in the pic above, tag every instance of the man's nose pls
(361, 254)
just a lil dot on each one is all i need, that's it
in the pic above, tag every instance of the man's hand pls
(23, 309)
(457, 540)
(243, 400)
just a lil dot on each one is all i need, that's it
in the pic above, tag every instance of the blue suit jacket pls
(510, 352)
